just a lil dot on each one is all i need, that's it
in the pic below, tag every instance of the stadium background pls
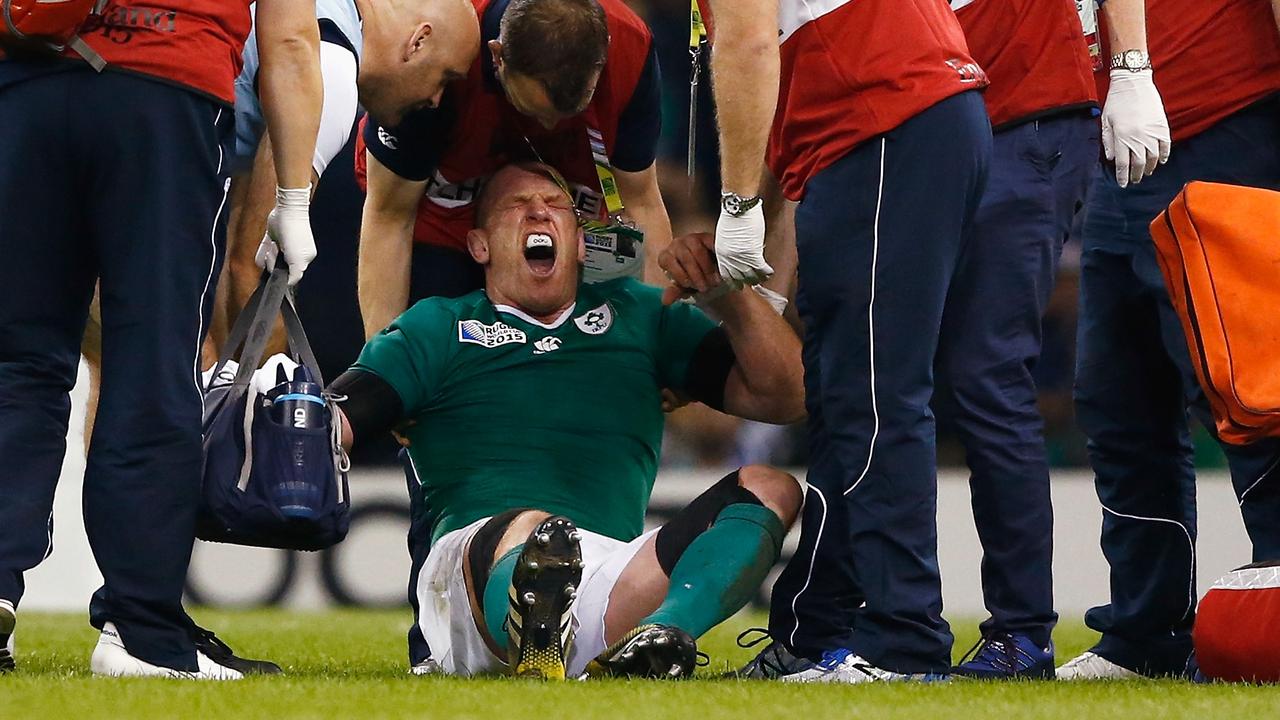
(371, 566)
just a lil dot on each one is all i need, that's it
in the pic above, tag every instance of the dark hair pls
(484, 202)
(560, 43)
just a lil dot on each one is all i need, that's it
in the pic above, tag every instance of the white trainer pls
(842, 666)
(1091, 666)
(8, 619)
(426, 667)
(112, 659)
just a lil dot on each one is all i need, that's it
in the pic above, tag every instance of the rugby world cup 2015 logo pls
(490, 336)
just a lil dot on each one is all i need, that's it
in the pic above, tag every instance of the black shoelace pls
(205, 640)
(1001, 651)
(766, 660)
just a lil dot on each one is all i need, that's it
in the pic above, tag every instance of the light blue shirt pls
(249, 120)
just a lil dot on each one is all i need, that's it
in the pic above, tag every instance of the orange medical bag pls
(1219, 248)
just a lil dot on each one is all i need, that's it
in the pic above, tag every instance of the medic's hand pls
(289, 231)
(1135, 131)
(740, 247)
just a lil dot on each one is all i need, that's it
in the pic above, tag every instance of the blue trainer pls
(1007, 656)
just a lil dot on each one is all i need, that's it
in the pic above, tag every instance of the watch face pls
(1134, 59)
(732, 204)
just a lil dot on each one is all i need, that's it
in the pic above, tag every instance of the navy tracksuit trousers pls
(1134, 386)
(879, 234)
(112, 178)
(990, 342)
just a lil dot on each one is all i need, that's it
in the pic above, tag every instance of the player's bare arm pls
(766, 382)
(644, 204)
(386, 244)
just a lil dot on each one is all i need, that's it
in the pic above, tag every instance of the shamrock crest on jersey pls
(597, 321)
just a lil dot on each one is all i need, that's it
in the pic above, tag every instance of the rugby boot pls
(1007, 656)
(8, 619)
(543, 588)
(652, 651)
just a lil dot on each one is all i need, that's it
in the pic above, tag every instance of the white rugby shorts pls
(445, 613)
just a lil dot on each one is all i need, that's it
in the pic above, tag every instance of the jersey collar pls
(530, 319)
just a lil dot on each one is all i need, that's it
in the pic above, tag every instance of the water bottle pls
(297, 404)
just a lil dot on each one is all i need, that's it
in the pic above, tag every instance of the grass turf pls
(350, 664)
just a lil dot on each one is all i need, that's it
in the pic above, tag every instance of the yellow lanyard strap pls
(697, 38)
(697, 30)
(604, 170)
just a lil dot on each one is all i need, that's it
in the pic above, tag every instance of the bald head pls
(412, 50)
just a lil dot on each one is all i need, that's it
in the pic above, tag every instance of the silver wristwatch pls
(736, 205)
(1131, 60)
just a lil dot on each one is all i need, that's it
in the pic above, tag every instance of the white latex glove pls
(740, 247)
(289, 231)
(266, 377)
(1135, 131)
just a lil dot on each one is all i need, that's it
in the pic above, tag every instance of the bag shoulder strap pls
(253, 329)
(298, 343)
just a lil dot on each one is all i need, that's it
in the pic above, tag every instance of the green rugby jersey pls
(508, 413)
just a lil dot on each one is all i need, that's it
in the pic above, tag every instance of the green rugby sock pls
(721, 570)
(497, 593)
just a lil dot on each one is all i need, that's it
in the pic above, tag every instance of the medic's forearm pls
(386, 245)
(644, 206)
(290, 85)
(1127, 24)
(745, 71)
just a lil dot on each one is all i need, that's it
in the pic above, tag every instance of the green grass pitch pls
(350, 664)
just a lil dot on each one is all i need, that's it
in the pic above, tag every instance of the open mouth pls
(540, 253)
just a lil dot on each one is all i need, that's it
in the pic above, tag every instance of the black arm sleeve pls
(709, 369)
(371, 405)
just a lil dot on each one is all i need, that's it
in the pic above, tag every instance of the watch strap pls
(1119, 61)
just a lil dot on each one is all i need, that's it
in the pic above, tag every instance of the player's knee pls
(777, 490)
(518, 530)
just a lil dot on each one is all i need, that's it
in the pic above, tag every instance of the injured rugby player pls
(532, 410)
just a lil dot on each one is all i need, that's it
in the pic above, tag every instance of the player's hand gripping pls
(289, 231)
(690, 263)
(739, 247)
(1135, 131)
